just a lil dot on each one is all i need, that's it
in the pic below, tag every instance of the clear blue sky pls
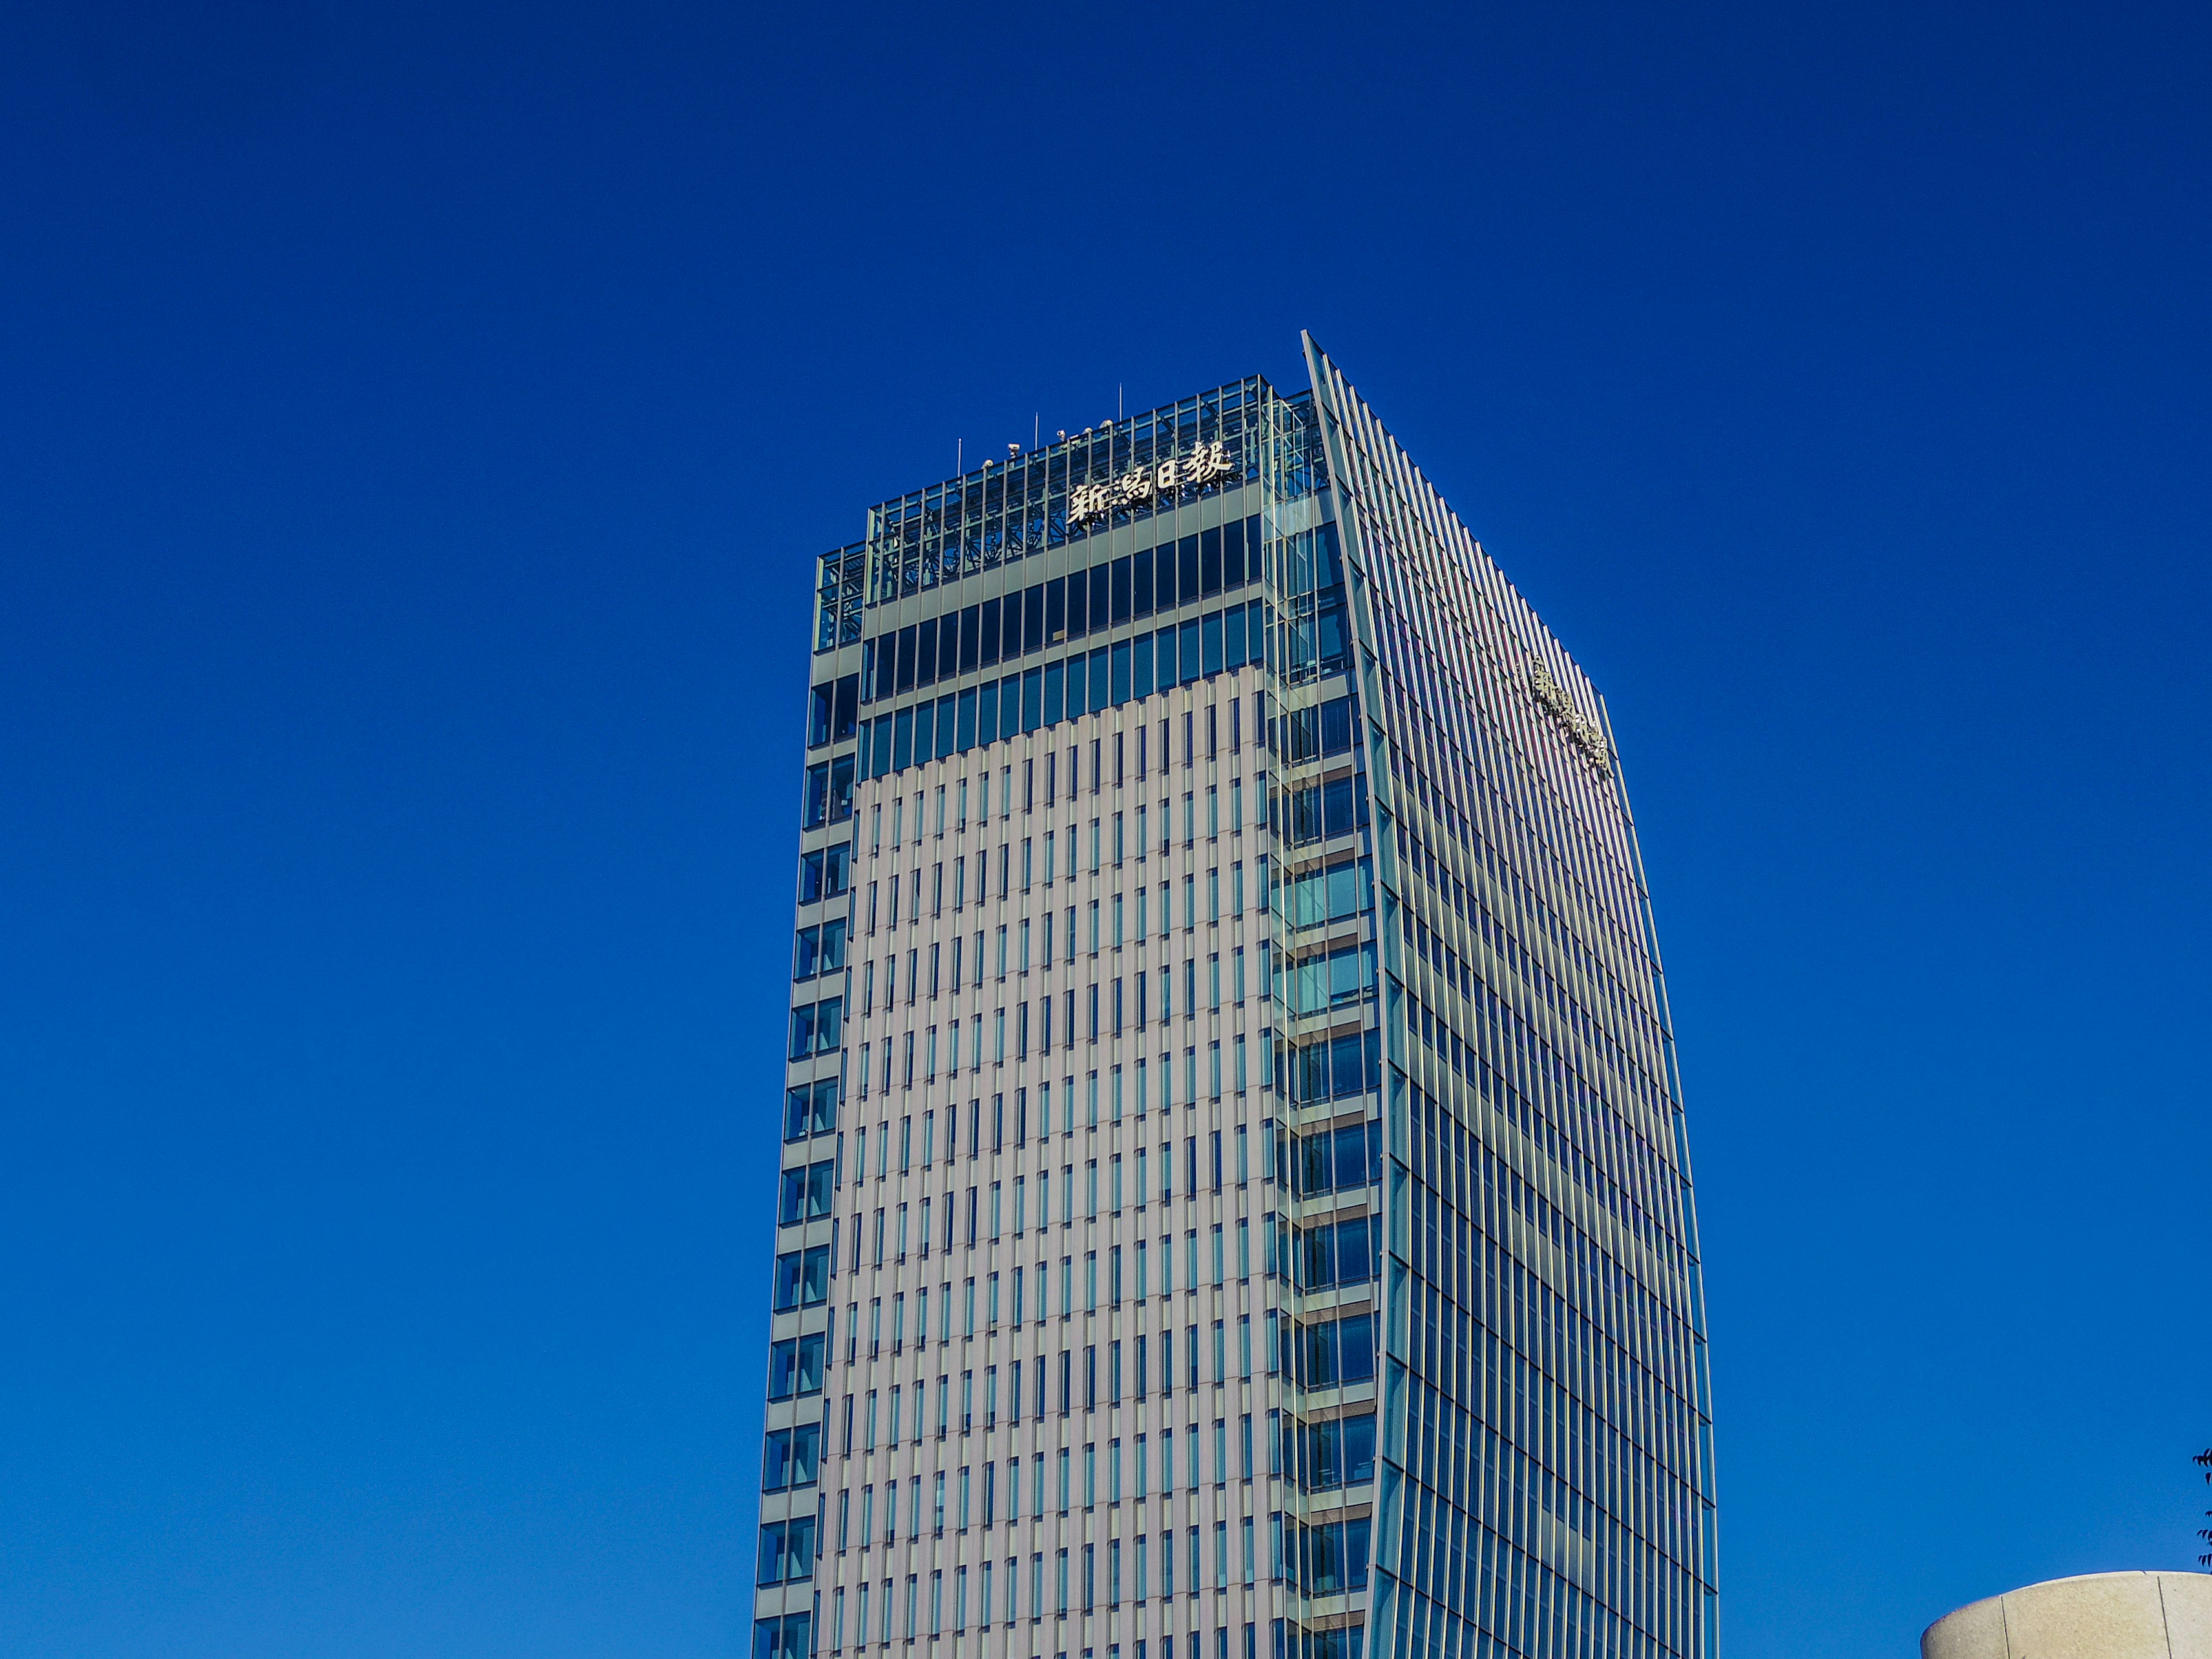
(415, 425)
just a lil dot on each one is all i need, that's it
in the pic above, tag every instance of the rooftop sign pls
(1140, 485)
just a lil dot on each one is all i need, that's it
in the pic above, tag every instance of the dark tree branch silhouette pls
(2203, 1461)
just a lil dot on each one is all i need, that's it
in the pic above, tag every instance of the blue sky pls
(416, 423)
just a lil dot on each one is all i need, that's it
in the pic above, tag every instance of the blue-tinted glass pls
(806, 1453)
(782, 1369)
(1358, 1347)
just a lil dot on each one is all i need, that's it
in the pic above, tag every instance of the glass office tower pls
(1234, 1200)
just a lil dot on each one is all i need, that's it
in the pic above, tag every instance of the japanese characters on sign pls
(1589, 736)
(1139, 484)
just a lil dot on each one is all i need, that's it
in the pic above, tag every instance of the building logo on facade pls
(1139, 484)
(1589, 736)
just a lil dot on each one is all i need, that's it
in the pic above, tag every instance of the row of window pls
(1125, 472)
(1330, 1160)
(1340, 978)
(1321, 1559)
(1323, 1456)
(1315, 1258)
(1080, 1383)
(1180, 1456)
(1110, 753)
(1329, 1068)
(987, 1213)
(1328, 1353)
(1218, 642)
(1324, 810)
(1329, 1558)
(1024, 1306)
(1110, 919)
(1077, 1589)
(1336, 1253)
(1065, 608)
(1216, 1078)
(1321, 896)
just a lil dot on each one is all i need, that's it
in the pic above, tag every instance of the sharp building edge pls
(1233, 1200)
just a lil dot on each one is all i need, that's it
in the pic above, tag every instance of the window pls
(790, 1458)
(795, 1366)
(1335, 1453)
(806, 1193)
(1342, 1253)
(1331, 1560)
(810, 1109)
(817, 1029)
(1330, 1353)
(802, 1279)
(789, 1636)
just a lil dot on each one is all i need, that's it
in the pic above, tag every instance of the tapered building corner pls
(1234, 1201)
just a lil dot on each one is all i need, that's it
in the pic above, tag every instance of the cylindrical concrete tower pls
(2101, 1615)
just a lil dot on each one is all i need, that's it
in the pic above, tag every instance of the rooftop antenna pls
(959, 456)
(1037, 430)
(1117, 400)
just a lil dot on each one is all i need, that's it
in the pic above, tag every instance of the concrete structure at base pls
(2100, 1616)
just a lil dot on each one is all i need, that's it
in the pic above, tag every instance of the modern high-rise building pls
(1233, 1200)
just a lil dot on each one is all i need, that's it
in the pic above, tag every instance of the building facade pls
(1233, 1200)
